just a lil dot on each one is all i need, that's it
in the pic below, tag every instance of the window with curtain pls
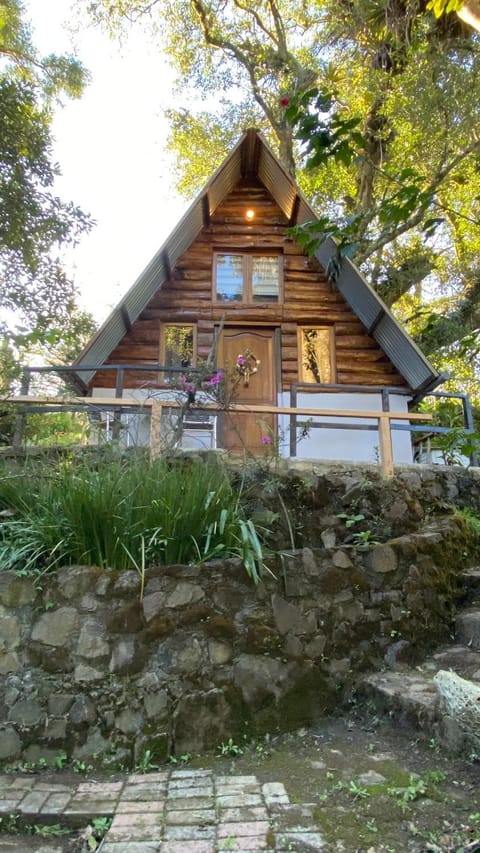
(247, 277)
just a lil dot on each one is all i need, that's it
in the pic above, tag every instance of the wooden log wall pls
(308, 299)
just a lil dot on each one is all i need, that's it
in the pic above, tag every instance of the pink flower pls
(241, 360)
(215, 380)
(266, 439)
(284, 102)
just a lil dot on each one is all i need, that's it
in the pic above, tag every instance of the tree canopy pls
(35, 293)
(373, 103)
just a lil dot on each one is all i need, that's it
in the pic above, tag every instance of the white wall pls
(341, 444)
(345, 444)
(135, 429)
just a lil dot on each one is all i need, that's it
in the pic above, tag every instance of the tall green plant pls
(121, 514)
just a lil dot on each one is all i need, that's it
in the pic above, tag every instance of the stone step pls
(411, 693)
(471, 579)
(461, 659)
(467, 627)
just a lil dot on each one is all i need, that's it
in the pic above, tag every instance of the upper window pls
(315, 346)
(177, 348)
(247, 277)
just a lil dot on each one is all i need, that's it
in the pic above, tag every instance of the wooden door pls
(243, 432)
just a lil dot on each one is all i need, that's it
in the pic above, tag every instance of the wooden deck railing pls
(383, 419)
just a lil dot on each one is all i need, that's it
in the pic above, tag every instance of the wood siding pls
(309, 299)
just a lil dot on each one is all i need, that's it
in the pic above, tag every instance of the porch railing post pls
(386, 449)
(20, 418)
(117, 418)
(155, 429)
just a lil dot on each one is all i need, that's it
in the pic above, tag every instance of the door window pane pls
(265, 276)
(229, 277)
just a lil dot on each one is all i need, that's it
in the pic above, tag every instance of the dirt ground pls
(376, 786)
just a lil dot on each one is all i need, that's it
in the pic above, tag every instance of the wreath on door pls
(247, 365)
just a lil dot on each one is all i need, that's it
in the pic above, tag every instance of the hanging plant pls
(247, 365)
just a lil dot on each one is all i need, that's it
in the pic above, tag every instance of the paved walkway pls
(174, 811)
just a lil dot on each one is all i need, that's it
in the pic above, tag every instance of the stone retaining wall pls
(89, 666)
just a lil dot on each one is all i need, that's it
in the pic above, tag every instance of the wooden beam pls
(167, 264)
(293, 216)
(125, 317)
(206, 211)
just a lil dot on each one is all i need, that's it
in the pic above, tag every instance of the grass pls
(122, 513)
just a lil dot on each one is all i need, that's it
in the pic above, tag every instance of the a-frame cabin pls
(232, 275)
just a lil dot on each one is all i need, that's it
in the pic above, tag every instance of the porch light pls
(249, 214)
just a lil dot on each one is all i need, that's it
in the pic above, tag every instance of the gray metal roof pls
(252, 156)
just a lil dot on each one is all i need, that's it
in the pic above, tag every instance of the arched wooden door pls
(244, 431)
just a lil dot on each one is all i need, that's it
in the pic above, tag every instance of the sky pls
(110, 149)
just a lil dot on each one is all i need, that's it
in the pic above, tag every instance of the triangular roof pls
(253, 157)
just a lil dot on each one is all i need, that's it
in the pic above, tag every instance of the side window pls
(177, 348)
(315, 349)
(247, 277)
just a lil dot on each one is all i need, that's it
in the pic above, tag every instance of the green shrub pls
(120, 513)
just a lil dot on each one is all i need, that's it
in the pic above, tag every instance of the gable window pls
(315, 348)
(177, 348)
(242, 277)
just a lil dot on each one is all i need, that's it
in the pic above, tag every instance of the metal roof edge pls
(374, 305)
(152, 269)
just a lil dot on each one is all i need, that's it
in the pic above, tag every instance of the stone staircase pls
(410, 693)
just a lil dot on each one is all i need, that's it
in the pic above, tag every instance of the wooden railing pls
(383, 419)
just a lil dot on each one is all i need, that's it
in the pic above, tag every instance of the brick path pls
(175, 811)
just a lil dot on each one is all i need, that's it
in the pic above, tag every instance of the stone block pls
(188, 832)
(129, 721)
(87, 674)
(127, 657)
(82, 711)
(16, 591)
(183, 817)
(55, 628)
(27, 713)
(9, 662)
(74, 581)
(288, 617)
(341, 560)
(219, 652)
(127, 584)
(184, 593)
(10, 744)
(91, 641)
(382, 559)
(274, 792)
(156, 704)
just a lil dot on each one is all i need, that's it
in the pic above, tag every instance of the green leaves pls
(443, 7)
(325, 131)
(34, 222)
(124, 514)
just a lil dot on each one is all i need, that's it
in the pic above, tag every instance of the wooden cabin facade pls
(232, 281)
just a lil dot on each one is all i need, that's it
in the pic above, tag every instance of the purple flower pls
(241, 360)
(215, 380)
(266, 439)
